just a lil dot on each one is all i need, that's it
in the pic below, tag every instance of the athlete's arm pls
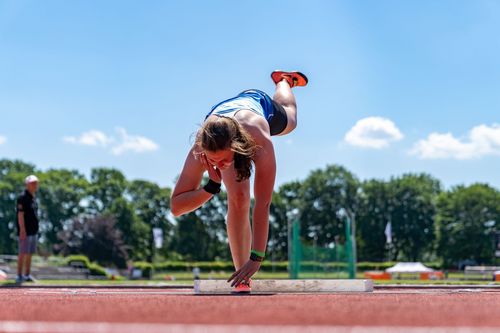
(265, 174)
(20, 218)
(187, 195)
(22, 228)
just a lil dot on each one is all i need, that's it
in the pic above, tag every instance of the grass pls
(186, 279)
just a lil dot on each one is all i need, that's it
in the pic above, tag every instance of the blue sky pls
(395, 86)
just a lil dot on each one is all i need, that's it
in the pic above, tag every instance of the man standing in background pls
(27, 228)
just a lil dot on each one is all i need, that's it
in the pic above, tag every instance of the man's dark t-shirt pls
(27, 204)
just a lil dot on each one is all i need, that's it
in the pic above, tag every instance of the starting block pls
(287, 286)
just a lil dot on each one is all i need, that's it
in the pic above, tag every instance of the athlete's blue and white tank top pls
(254, 100)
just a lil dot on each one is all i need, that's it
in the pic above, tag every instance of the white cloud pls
(373, 132)
(135, 143)
(90, 138)
(482, 140)
(3, 139)
(118, 146)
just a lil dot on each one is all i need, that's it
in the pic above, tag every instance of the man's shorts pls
(28, 245)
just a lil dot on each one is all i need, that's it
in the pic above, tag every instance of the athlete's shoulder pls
(256, 125)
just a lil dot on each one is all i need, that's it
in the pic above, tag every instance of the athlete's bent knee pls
(239, 200)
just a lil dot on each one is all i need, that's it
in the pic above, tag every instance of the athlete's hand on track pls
(244, 273)
(213, 172)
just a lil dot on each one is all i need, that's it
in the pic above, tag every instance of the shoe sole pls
(299, 79)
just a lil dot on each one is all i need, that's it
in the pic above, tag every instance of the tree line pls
(110, 219)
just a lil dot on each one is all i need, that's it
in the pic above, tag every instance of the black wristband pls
(255, 257)
(212, 187)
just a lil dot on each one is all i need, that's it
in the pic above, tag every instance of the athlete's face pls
(222, 159)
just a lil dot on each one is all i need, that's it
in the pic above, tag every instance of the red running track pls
(394, 307)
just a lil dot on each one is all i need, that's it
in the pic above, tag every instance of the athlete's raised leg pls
(283, 95)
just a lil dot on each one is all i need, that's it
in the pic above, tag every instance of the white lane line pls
(102, 327)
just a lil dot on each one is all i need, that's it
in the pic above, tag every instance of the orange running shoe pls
(294, 79)
(243, 288)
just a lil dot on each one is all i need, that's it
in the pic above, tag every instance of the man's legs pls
(238, 217)
(27, 264)
(31, 250)
(20, 263)
(23, 247)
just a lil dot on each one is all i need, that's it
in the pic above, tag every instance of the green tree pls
(323, 194)
(213, 216)
(373, 214)
(61, 193)
(466, 222)
(106, 185)
(191, 239)
(107, 196)
(201, 235)
(135, 232)
(151, 204)
(285, 200)
(412, 215)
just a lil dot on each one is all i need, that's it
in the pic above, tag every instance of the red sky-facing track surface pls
(398, 307)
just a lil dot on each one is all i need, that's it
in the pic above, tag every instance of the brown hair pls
(226, 133)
